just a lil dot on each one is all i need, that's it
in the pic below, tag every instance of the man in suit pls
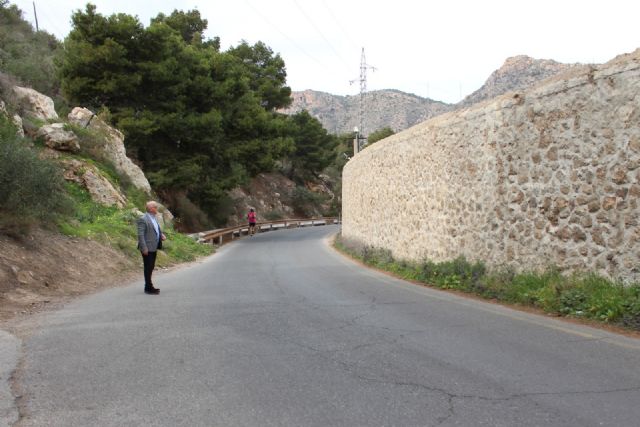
(150, 239)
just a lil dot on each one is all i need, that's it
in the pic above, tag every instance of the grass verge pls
(586, 295)
(117, 227)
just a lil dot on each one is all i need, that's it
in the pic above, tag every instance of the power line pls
(283, 34)
(51, 23)
(320, 33)
(354, 45)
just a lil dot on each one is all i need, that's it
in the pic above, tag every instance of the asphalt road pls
(279, 330)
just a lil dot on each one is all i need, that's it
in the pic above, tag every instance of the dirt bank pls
(45, 269)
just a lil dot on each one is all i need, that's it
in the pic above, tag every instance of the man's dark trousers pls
(149, 262)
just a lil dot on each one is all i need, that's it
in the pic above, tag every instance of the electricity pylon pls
(363, 89)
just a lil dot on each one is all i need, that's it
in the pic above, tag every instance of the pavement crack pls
(450, 413)
(371, 344)
(387, 329)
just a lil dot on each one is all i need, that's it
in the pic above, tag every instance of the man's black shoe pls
(152, 291)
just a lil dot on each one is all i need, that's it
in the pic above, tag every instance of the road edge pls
(10, 351)
(603, 328)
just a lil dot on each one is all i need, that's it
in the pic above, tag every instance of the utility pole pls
(36, 16)
(356, 141)
(359, 131)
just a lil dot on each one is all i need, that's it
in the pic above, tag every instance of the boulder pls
(114, 150)
(81, 116)
(100, 188)
(55, 136)
(17, 120)
(35, 104)
(164, 217)
(49, 154)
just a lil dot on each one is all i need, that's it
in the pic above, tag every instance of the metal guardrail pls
(226, 235)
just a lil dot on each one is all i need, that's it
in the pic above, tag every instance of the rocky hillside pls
(40, 267)
(393, 108)
(399, 110)
(516, 74)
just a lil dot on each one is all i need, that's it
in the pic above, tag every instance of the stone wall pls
(548, 176)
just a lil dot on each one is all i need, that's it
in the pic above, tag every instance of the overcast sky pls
(442, 50)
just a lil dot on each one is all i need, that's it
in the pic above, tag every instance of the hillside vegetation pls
(55, 239)
(200, 121)
(25, 54)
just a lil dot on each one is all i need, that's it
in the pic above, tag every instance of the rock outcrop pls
(113, 149)
(88, 176)
(17, 120)
(57, 137)
(550, 176)
(516, 74)
(35, 104)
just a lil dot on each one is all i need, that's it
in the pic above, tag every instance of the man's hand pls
(163, 237)
(145, 252)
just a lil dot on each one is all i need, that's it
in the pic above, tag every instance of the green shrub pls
(526, 288)
(603, 300)
(181, 248)
(91, 142)
(375, 256)
(306, 202)
(274, 215)
(135, 196)
(456, 274)
(117, 227)
(31, 189)
(631, 316)
(61, 105)
(573, 301)
(25, 53)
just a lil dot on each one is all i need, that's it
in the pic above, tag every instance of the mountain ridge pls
(516, 73)
(400, 110)
(387, 107)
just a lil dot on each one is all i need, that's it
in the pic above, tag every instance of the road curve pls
(280, 330)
